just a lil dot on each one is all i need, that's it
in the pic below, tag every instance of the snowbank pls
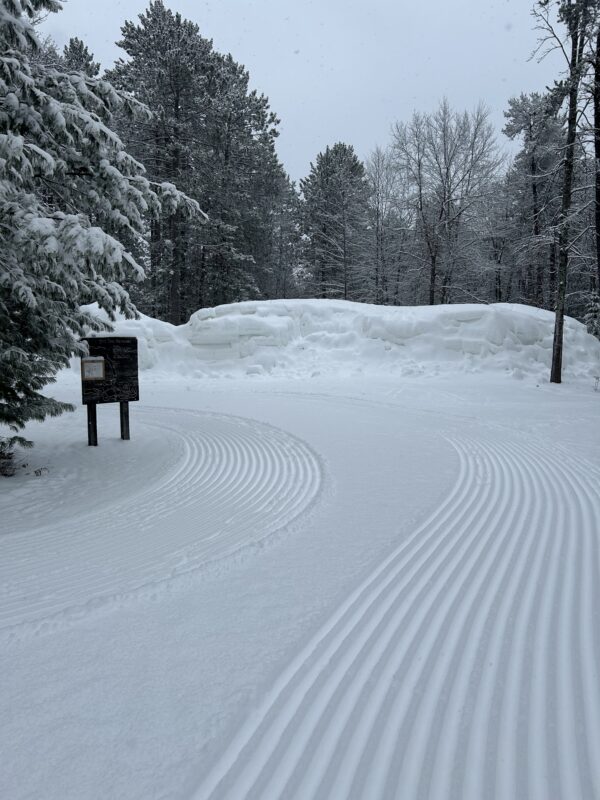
(311, 337)
(160, 345)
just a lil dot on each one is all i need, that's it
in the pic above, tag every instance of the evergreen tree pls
(71, 197)
(534, 181)
(215, 138)
(78, 58)
(165, 70)
(592, 316)
(336, 194)
(244, 185)
(284, 257)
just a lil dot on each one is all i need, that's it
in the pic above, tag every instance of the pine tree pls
(244, 182)
(78, 58)
(534, 180)
(165, 69)
(283, 257)
(592, 316)
(336, 193)
(215, 138)
(71, 198)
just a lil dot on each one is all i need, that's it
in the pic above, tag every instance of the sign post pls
(124, 409)
(92, 425)
(109, 375)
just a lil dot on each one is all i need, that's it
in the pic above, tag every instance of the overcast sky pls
(343, 70)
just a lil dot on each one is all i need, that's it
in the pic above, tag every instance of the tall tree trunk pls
(322, 267)
(174, 227)
(432, 279)
(345, 253)
(552, 267)
(175, 285)
(157, 305)
(201, 277)
(539, 270)
(383, 291)
(577, 24)
(498, 285)
(377, 251)
(397, 283)
(597, 152)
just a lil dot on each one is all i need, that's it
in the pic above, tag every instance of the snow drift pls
(312, 337)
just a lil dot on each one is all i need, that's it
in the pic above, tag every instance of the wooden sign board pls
(118, 383)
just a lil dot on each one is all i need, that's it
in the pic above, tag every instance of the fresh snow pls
(344, 555)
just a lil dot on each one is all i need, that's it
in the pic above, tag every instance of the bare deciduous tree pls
(449, 160)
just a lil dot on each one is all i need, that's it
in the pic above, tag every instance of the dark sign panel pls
(119, 382)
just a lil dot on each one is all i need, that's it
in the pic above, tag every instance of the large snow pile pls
(311, 337)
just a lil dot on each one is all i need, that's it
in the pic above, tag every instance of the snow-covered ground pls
(348, 552)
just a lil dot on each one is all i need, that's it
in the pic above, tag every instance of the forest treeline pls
(156, 185)
(438, 215)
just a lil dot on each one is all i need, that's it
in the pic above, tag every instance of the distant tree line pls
(436, 216)
(157, 185)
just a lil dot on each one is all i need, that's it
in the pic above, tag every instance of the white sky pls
(342, 70)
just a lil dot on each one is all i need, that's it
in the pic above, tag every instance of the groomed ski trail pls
(225, 484)
(467, 665)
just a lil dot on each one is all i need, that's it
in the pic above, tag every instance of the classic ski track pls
(503, 429)
(237, 482)
(466, 666)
